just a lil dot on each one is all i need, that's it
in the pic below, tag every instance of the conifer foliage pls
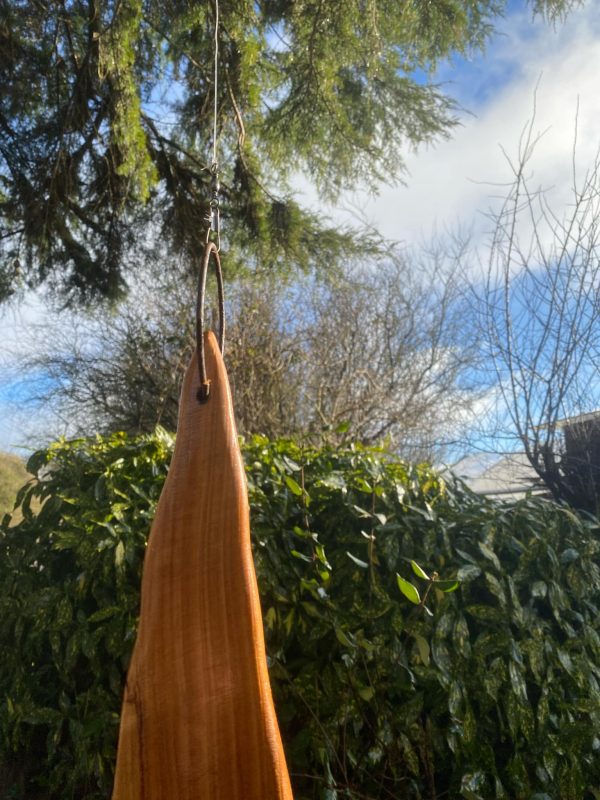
(106, 121)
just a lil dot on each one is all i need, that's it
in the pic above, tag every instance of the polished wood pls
(198, 721)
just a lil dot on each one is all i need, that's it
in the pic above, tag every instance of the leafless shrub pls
(540, 317)
(379, 353)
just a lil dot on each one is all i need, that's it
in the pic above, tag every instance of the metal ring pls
(209, 249)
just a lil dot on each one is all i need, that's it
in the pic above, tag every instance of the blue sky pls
(454, 182)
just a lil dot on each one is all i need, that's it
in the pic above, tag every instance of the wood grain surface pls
(198, 720)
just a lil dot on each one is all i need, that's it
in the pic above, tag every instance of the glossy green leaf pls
(343, 638)
(423, 648)
(293, 486)
(447, 586)
(301, 556)
(119, 554)
(408, 590)
(358, 561)
(468, 573)
(419, 572)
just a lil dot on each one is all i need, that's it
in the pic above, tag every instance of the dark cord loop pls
(209, 249)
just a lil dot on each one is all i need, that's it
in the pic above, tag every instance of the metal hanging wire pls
(213, 216)
(211, 248)
(216, 83)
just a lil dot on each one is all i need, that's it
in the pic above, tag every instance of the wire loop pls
(210, 249)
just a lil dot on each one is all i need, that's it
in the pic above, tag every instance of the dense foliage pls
(106, 121)
(496, 695)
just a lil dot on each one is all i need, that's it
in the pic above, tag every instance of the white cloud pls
(450, 184)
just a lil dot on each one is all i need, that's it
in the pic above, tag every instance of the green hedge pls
(495, 695)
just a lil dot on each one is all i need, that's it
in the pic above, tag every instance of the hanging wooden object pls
(198, 721)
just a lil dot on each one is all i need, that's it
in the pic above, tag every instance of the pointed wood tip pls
(200, 415)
